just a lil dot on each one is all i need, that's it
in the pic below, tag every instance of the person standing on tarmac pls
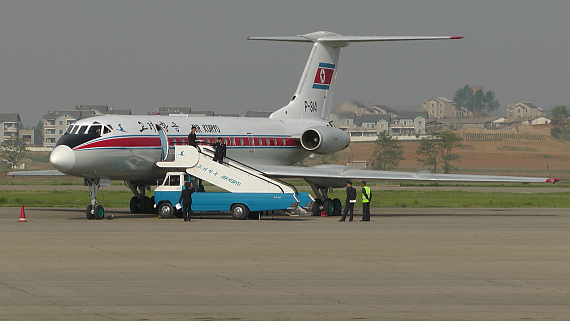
(366, 198)
(186, 199)
(350, 200)
(220, 152)
(192, 137)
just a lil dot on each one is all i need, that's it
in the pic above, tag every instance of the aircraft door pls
(163, 142)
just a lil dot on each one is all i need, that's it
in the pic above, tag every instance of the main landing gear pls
(140, 203)
(94, 211)
(331, 207)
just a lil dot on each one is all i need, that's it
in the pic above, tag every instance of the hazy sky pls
(140, 55)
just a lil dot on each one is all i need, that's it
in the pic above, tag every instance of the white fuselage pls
(131, 148)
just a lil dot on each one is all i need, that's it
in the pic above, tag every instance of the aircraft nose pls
(62, 158)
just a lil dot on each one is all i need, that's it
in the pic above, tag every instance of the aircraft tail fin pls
(313, 98)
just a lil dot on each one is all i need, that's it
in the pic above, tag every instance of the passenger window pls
(267, 141)
(241, 141)
(233, 141)
(82, 130)
(95, 129)
(274, 142)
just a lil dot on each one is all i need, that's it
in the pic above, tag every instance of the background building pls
(439, 107)
(524, 110)
(10, 124)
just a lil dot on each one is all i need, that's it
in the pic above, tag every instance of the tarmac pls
(405, 264)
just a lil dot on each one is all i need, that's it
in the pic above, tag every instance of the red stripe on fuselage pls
(146, 141)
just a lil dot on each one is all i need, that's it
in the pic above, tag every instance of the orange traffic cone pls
(22, 215)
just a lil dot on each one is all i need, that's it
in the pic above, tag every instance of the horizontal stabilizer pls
(52, 172)
(343, 41)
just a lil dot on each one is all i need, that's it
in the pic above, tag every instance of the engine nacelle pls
(324, 140)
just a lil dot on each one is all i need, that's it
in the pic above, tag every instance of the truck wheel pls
(239, 211)
(134, 205)
(165, 210)
(317, 207)
(337, 207)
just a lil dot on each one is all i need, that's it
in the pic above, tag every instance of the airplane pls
(119, 147)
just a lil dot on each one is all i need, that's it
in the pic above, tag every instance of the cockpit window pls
(95, 129)
(107, 129)
(68, 130)
(82, 130)
(74, 130)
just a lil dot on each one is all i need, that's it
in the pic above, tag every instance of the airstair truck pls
(250, 192)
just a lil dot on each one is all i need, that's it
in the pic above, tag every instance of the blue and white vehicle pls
(250, 191)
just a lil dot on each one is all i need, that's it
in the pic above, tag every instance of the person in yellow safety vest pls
(366, 198)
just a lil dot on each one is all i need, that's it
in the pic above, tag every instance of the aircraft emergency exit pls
(127, 148)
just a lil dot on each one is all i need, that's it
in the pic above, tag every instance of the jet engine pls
(324, 140)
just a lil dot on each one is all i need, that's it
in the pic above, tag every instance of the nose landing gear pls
(94, 211)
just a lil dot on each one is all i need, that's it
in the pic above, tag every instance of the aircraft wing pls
(52, 172)
(344, 173)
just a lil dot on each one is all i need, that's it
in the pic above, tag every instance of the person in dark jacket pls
(350, 200)
(220, 152)
(192, 137)
(186, 200)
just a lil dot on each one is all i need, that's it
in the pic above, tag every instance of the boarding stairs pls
(232, 175)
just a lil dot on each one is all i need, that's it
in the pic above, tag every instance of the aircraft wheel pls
(99, 212)
(239, 211)
(146, 207)
(165, 210)
(328, 207)
(317, 207)
(88, 212)
(134, 205)
(337, 207)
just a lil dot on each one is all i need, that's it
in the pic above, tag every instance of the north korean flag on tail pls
(324, 76)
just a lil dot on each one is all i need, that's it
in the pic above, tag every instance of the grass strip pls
(73, 198)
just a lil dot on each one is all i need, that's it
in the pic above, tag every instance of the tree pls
(13, 150)
(464, 98)
(490, 104)
(559, 113)
(387, 153)
(478, 103)
(428, 152)
(448, 140)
